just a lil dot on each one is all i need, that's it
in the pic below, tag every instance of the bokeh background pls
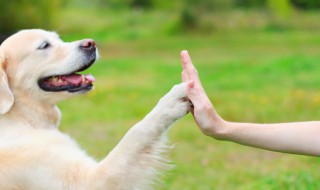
(258, 60)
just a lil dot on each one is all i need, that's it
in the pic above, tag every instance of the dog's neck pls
(34, 113)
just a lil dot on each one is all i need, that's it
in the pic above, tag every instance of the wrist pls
(219, 129)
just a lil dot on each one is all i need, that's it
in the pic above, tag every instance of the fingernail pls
(184, 52)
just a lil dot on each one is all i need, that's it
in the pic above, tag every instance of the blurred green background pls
(258, 61)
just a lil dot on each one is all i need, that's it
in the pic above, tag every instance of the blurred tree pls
(168, 5)
(209, 5)
(20, 14)
(281, 9)
(188, 19)
(280, 13)
(193, 12)
(123, 4)
(111, 4)
(145, 4)
(306, 4)
(250, 3)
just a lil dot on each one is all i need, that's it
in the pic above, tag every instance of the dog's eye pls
(44, 45)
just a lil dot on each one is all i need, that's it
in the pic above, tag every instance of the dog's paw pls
(175, 104)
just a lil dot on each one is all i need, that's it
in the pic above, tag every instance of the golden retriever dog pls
(37, 70)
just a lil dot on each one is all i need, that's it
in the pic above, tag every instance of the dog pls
(37, 70)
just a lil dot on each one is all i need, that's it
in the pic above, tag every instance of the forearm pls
(296, 138)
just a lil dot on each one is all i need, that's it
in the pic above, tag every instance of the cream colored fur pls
(35, 155)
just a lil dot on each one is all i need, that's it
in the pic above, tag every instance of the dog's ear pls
(6, 96)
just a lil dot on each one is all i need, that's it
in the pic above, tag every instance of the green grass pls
(256, 76)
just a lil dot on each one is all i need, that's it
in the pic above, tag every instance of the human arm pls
(296, 138)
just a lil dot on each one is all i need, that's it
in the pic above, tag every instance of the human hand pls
(206, 117)
(295, 137)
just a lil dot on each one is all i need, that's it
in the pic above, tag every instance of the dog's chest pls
(40, 159)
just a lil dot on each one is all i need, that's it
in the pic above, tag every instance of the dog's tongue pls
(77, 79)
(89, 78)
(73, 79)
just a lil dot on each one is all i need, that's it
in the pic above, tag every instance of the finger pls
(183, 55)
(197, 97)
(193, 73)
(189, 68)
(184, 76)
(192, 94)
(190, 73)
(186, 62)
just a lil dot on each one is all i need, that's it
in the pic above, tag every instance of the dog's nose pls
(88, 44)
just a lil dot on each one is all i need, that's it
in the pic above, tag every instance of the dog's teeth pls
(83, 79)
(60, 81)
(54, 79)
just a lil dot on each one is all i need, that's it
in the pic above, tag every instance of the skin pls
(296, 137)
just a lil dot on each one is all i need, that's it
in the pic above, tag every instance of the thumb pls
(192, 93)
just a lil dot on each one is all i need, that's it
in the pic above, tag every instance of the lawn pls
(251, 76)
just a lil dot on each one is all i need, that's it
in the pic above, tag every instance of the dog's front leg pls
(136, 160)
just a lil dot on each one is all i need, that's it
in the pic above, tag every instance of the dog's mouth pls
(71, 82)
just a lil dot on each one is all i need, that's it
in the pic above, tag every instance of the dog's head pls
(38, 64)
